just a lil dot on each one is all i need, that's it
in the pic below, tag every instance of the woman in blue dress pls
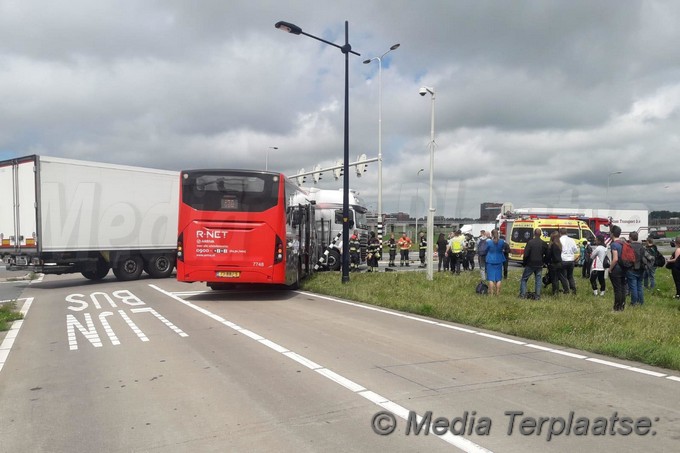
(494, 262)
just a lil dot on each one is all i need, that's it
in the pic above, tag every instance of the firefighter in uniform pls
(373, 253)
(422, 249)
(392, 244)
(354, 256)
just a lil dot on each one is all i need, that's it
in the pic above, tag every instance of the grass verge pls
(647, 334)
(8, 314)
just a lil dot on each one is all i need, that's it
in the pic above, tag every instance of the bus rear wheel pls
(128, 268)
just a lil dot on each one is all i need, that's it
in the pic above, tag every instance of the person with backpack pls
(634, 271)
(617, 274)
(648, 276)
(482, 250)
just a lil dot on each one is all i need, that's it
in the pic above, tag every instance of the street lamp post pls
(608, 177)
(418, 198)
(345, 49)
(266, 159)
(430, 212)
(380, 212)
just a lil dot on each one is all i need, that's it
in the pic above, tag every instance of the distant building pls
(489, 211)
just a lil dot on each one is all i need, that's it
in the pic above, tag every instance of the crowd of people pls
(630, 264)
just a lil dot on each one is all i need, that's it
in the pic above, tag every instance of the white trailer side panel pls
(95, 206)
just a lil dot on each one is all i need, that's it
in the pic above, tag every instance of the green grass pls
(649, 334)
(8, 314)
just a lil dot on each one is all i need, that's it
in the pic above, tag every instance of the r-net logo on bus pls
(211, 234)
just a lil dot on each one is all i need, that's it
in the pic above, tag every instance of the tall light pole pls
(266, 159)
(380, 212)
(345, 49)
(430, 213)
(608, 177)
(417, 198)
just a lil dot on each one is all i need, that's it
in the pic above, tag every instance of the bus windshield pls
(234, 191)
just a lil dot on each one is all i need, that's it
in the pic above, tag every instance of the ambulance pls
(523, 230)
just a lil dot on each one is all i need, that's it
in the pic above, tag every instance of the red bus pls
(243, 227)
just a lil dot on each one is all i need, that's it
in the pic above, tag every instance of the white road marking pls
(499, 338)
(398, 410)
(133, 326)
(12, 333)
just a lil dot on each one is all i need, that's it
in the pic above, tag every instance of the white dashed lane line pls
(396, 409)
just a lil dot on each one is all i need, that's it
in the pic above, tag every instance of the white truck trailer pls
(60, 216)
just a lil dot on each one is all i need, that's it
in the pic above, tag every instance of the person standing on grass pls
(482, 248)
(634, 274)
(675, 270)
(649, 275)
(556, 271)
(470, 245)
(587, 262)
(569, 249)
(506, 254)
(617, 274)
(441, 252)
(534, 255)
(494, 262)
(597, 267)
(456, 250)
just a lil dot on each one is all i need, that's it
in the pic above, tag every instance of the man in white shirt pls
(569, 250)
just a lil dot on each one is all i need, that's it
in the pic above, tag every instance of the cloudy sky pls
(537, 102)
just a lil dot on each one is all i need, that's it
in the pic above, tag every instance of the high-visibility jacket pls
(457, 243)
(404, 243)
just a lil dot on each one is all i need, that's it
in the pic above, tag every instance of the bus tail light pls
(180, 247)
(278, 250)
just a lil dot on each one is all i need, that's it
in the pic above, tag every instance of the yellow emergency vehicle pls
(523, 230)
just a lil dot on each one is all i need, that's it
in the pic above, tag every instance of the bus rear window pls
(229, 191)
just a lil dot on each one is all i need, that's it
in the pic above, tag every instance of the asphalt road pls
(157, 365)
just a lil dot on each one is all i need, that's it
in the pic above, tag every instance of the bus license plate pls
(229, 274)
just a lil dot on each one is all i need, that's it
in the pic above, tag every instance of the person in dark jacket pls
(557, 274)
(441, 252)
(534, 256)
(373, 253)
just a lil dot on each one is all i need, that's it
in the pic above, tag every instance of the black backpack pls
(659, 260)
(482, 288)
